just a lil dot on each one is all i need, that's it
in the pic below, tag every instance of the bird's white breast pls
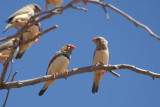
(101, 56)
(60, 64)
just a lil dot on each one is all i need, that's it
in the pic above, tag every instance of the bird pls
(29, 34)
(55, 3)
(20, 17)
(5, 49)
(58, 64)
(101, 54)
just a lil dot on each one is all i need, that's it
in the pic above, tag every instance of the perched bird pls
(29, 34)
(20, 17)
(56, 3)
(58, 64)
(5, 49)
(101, 54)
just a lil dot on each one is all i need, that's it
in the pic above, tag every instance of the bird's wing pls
(6, 45)
(52, 59)
(24, 10)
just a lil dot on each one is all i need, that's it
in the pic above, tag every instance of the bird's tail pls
(42, 91)
(46, 85)
(19, 55)
(7, 27)
(94, 89)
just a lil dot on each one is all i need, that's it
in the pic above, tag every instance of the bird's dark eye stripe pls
(68, 46)
(98, 40)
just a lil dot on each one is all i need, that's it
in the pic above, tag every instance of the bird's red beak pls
(73, 47)
(40, 10)
(94, 40)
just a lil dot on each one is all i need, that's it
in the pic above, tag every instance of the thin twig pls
(114, 73)
(10, 73)
(18, 84)
(79, 8)
(105, 10)
(9, 89)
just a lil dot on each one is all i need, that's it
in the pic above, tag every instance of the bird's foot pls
(106, 70)
(54, 75)
(67, 73)
(99, 63)
(37, 39)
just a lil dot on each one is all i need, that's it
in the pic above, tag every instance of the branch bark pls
(9, 90)
(18, 84)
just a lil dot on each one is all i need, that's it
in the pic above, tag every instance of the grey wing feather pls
(52, 59)
(6, 45)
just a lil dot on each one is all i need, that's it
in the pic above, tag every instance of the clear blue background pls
(128, 44)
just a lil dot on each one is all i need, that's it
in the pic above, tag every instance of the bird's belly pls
(101, 56)
(59, 65)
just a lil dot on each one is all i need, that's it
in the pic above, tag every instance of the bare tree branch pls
(18, 84)
(125, 15)
(9, 90)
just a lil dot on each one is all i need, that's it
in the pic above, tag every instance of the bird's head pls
(100, 41)
(35, 7)
(68, 48)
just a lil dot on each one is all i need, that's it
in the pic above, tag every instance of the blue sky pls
(128, 44)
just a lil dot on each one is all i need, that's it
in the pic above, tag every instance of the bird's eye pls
(98, 40)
